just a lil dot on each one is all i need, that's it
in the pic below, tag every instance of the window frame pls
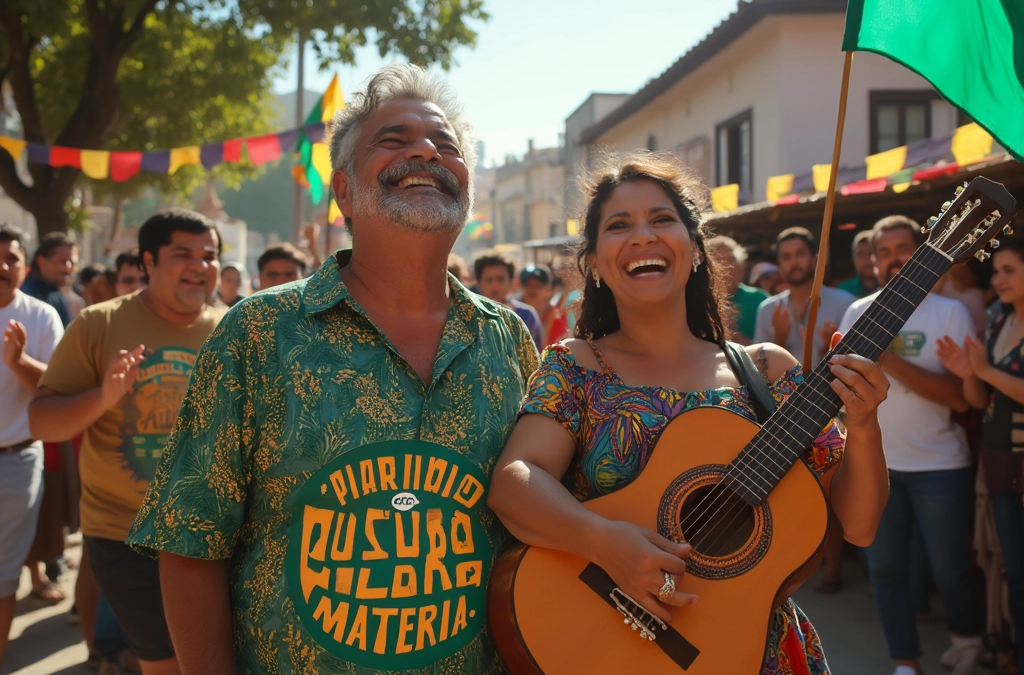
(901, 97)
(722, 176)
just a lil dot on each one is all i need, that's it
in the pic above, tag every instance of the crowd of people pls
(175, 416)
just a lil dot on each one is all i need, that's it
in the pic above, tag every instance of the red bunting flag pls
(124, 165)
(263, 149)
(60, 156)
(233, 150)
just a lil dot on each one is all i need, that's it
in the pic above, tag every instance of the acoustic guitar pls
(754, 514)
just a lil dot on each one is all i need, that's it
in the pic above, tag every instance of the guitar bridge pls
(636, 615)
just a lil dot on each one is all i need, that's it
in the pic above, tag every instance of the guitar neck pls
(797, 422)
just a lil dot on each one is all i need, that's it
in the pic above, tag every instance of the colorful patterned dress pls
(615, 427)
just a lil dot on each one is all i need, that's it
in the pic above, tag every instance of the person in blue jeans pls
(929, 469)
(993, 380)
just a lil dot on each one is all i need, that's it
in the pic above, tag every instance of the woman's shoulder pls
(772, 360)
(573, 352)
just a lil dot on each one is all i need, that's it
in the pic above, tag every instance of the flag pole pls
(826, 223)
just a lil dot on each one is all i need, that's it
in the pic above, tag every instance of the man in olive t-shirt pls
(119, 376)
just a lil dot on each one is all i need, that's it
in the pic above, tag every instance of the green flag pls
(972, 51)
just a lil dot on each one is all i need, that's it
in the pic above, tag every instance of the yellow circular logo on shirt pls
(387, 558)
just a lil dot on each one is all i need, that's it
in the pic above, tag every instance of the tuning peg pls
(959, 189)
(994, 244)
(983, 255)
(946, 205)
(1008, 230)
(930, 223)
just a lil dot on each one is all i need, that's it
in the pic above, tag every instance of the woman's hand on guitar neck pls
(861, 385)
(636, 559)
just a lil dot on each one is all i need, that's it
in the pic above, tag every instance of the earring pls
(696, 262)
(597, 280)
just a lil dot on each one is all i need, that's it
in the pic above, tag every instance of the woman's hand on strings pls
(637, 559)
(860, 383)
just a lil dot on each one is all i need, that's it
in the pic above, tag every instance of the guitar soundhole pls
(715, 521)
(729, 537)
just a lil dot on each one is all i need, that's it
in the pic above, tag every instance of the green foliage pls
(197, 71)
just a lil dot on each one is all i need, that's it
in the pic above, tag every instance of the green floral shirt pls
(348, 494)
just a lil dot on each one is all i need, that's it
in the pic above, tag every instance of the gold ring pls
(668, 588)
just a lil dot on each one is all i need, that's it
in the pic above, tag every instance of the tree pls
(156, 74)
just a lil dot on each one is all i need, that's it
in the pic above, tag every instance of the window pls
(734, 147)
(900, 118)
(553, 229)
(652, 143)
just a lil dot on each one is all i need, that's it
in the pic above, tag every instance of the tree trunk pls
(50, 214)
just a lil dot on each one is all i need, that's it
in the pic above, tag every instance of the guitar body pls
(545, 619)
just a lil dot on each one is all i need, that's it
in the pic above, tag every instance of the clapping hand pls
(15, 338)
(121, 373)
(781, 323)
(969, 360)
(954, 357)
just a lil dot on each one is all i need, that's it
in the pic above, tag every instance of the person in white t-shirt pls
(32, 329)
(929, 468)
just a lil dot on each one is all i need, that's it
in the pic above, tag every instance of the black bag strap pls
(750, 377)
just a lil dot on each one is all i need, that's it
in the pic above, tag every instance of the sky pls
(536, 61)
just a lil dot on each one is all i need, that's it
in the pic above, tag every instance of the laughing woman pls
(648, 347)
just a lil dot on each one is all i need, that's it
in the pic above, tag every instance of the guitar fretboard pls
(797, 422)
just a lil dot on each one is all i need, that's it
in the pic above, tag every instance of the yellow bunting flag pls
(572, 227)
(96, 163)
(821, 174)
(885, 164)
(778, 186)
(971, 144)
(182, 156)
(13, 146)
(322, 161)
(900, 187)
(725, 198)
(332, 101)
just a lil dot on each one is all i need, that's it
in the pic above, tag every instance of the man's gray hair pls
(392, 83)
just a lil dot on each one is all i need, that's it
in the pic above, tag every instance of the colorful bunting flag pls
(479, 227)
(61, 156)
(978, 69)
(971, 144)
(725, 198)
(38, 153)
(263, 149)
(233, 150)
(95, 163)
(211, 155)
(13, 146)
(864, 187)
(312, 168)
(156, 162)
(182, 156)
(778, 187)
(124, 165)
(885, 164)
(822, 173)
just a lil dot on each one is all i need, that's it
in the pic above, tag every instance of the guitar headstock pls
(978, 212)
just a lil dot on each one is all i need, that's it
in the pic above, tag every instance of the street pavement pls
(44, 642)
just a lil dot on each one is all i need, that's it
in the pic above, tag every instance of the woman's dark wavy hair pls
(705, 290)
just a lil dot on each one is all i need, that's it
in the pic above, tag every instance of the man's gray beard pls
(438, 215)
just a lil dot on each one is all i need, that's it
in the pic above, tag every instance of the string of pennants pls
(119, 166)
(898, 168)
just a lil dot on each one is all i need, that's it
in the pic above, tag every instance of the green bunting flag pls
(972, 51)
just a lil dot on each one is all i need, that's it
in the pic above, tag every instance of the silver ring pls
(668, 588)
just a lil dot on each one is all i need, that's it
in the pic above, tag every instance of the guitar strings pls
(908, 274)
(855, 333)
